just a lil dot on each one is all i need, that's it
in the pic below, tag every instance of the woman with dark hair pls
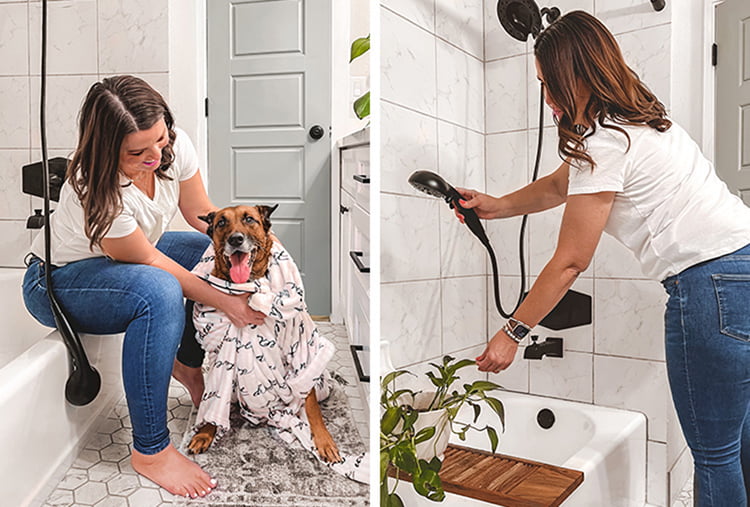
(630, 171)
(116, 269)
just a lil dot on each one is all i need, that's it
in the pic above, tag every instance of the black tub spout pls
(552, 347)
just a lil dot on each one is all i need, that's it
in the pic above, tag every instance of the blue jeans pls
(101, 296)
(708, 363)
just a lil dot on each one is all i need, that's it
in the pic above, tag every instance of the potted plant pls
(359, 47)
(415, 426)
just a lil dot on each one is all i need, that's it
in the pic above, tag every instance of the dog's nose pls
(236, 239)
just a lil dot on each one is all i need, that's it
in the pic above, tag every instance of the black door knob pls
(316, 132)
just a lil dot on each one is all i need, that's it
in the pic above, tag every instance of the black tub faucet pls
(552, 347)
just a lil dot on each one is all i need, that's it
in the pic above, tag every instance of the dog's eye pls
(250, 220)
(222, 222)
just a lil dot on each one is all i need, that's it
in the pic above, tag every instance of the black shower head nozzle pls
(520, 18)
(432, 184)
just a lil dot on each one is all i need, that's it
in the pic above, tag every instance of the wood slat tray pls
(505, 480)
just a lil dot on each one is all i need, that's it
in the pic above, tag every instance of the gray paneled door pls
(269, 93)
(733, 96)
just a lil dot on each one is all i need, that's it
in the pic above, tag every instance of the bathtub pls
(608, 445)
(40, 433)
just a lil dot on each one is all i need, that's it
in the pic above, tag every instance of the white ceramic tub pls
(607, 445)
(40, 433)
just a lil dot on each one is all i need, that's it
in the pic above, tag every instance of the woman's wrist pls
(516, 330)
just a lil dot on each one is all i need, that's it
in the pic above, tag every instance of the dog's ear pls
(265, 214)
(209, 219)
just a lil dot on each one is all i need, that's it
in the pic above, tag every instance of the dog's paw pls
(200, 443)
(326, 447)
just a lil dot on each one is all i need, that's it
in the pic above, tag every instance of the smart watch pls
(516, 330)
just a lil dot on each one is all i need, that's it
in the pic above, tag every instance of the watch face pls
(520, 331)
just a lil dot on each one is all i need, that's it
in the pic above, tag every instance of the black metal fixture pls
(658, 4)
(84, 381)
(545, 418)
(522, 18)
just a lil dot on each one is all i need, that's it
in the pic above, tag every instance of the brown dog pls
(242, 242)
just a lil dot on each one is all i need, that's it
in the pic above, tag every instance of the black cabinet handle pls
(363, 370)
(362, 178)
(355, 256)
(343, 209)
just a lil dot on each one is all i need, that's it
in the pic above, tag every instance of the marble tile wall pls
(433, 271)
(87, 41)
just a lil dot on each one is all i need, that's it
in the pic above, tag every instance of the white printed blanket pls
(269, 369)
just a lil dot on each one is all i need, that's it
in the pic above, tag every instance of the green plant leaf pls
(389, 420)
(391, 500)
(497, 406)
(359, 47)
(431, 486)
(404, 457)
(483, 385)
(434, 464)
(477, 411)
(493, 438)
(362, 106)
(424, 434)
(384, 460)
(390, 377)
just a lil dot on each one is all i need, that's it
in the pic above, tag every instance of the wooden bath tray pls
(505, 480)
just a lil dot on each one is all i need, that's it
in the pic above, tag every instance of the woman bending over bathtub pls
(115, 269)
(635, 174)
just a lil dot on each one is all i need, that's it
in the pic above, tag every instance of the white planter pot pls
(439, 419)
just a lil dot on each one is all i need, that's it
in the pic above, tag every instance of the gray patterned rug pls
(254, 468)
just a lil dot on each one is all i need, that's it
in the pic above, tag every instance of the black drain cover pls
(545, 418)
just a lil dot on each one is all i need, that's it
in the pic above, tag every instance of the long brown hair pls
(578, 48)
(113, 108)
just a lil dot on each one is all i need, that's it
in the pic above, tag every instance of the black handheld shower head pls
(434, 185)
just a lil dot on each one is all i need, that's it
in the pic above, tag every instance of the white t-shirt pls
(68, 239)
(670, 207)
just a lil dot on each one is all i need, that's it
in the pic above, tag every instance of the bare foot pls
(173, 472)
(191, 378)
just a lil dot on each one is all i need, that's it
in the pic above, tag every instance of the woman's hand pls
(484, 205)
(499, 353)
(238, 311)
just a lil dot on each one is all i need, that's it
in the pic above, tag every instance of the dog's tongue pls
(240, 269)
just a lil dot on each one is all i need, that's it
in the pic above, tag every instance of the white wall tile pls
(569, 377)
(421, 12)
(410, 248)
(656, 473)
(634, 384)
(461, 253)
(629, 318)
(460, 22)
(407, 62)
(14, 112)
(505, 90)
(14, 36)
(510, 287)
(460, 87)
(647, 52)
(16, 243)
(504, 238)
(461, 156)
(408, 144)
(13, 202)
(544, 231)
(615, 260)
(410, 320)
(628, 15)
(142, 47)
(507, 162)
(65, 95)
(464, 313)
(71, 40)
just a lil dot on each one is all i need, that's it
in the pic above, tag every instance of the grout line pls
(427, 115)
